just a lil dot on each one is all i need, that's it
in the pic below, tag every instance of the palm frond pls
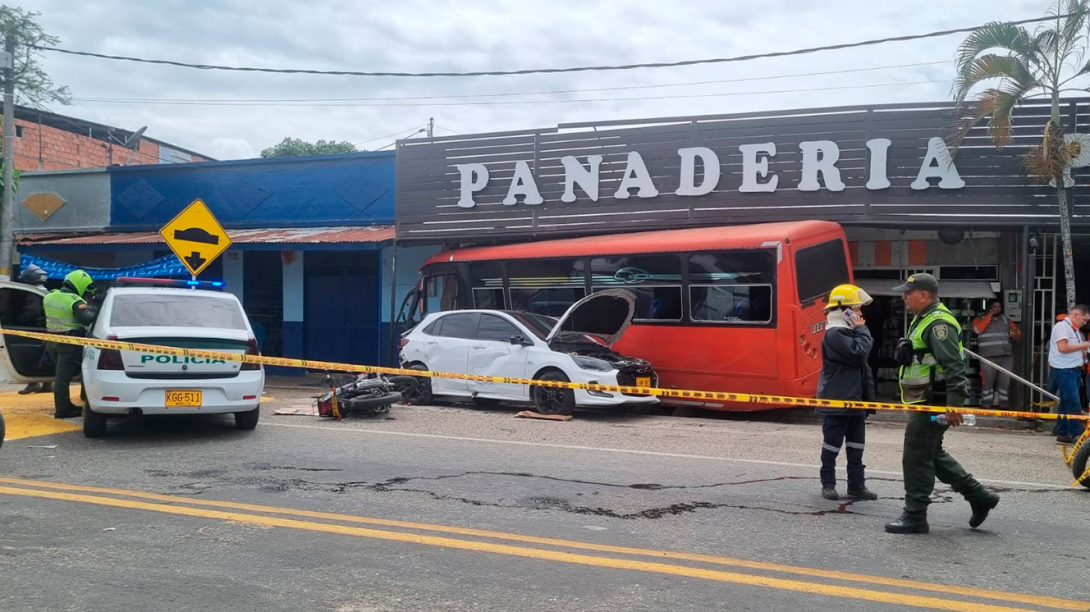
(996, 35)
(1013, 71)
(1049, 160)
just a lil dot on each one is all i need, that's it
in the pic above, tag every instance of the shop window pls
(820, 268)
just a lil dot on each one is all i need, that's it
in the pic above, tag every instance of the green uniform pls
(68, 314)
(936, 338)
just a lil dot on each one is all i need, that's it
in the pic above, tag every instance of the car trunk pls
(150, 365)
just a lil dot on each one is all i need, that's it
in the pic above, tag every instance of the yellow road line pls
(29, 416)
(1052, 602)
(928, 603)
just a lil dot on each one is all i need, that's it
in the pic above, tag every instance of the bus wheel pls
(550, 400)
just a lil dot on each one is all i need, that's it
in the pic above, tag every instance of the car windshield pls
(176, 311)
(541, 325)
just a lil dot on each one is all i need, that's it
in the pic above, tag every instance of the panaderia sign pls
(875, 165)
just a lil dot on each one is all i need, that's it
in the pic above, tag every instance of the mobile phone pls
(849, 316)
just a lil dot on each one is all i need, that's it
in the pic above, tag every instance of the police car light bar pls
(169, 282)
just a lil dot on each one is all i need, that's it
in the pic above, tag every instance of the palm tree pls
(1027, 66)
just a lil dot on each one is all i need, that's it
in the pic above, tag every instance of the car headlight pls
(590, 363)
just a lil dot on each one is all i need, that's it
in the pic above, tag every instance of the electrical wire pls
(570, 101)
(363, 142)
(601, 68)
(518, 93)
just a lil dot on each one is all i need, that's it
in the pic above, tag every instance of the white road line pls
(1015, 483)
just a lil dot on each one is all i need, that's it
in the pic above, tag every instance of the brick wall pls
(50, 148)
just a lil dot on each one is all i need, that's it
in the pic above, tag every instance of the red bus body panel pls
(780, 360)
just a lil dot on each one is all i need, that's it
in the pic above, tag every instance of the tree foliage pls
(33, 87)
(1014, 65)
(294, 147)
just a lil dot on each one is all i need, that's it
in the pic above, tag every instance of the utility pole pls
(431, 126)
(7, 214)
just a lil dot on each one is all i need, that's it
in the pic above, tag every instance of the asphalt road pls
(465, 509)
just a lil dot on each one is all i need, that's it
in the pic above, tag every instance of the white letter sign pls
(820, 156)
(753, 169)
(938, 163)
(710, 160)
(636, 175)
(879, 150)
(474, 179)
(522, 184)
(576, 174)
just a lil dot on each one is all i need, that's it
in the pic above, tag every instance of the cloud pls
(232, 148)
(449, 35)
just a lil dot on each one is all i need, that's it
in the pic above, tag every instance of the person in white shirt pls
(1067, 352)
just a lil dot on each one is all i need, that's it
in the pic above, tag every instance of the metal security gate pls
(263, 297)
(1045, 277)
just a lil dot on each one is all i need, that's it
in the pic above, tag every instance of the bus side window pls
(486, 280)
(546, 286)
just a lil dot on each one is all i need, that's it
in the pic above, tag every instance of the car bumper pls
(601, 398)
(148, 396)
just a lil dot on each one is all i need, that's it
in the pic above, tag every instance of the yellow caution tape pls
(718, 396)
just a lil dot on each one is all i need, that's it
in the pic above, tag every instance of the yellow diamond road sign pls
(196, 237)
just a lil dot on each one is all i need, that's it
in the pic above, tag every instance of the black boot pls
(862, 493)
(31, 388)
(68, 413)
(830, 493)
(909, 523)
(981, 508)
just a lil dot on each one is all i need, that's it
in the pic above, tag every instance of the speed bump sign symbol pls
(196, 237)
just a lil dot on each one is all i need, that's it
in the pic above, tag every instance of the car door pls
(23, 359)
(493, 354)
(448, 351)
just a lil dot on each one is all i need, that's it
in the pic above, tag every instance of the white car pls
(575, 348)
(128, 382)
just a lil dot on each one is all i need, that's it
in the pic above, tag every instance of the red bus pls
(718, 309)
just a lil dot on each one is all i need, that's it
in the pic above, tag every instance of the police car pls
(150, 311)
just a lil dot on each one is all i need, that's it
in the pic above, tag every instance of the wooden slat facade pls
(997, 192)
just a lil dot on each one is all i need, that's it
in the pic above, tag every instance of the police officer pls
(932, 371)
(67, 312)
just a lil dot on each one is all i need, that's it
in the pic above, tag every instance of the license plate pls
(184, 399)
(643, 381)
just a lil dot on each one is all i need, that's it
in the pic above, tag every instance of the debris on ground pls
(530, 414)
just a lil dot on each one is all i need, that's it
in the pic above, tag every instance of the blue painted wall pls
(352, 189)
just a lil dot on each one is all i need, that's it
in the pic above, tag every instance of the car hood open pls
(604, 315)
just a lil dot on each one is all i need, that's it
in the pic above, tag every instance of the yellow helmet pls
(847, 296)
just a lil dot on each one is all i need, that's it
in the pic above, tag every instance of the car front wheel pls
(553, 400)
(247, 420)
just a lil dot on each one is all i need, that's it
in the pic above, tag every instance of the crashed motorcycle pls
(366, 395)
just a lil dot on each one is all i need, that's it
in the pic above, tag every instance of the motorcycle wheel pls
(379, 403)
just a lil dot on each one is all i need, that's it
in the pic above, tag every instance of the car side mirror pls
(519, 340)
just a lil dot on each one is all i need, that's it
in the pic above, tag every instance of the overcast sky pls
(419, 35)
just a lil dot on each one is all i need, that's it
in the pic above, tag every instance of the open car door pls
(23, 360)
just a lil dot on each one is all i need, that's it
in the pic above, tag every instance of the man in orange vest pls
(996, 337)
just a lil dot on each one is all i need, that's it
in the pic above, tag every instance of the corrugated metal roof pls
(301, 235)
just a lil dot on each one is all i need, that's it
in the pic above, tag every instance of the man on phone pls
(845, 375)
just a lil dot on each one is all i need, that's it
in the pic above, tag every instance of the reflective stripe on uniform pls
(858, 445)
(830, 448)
